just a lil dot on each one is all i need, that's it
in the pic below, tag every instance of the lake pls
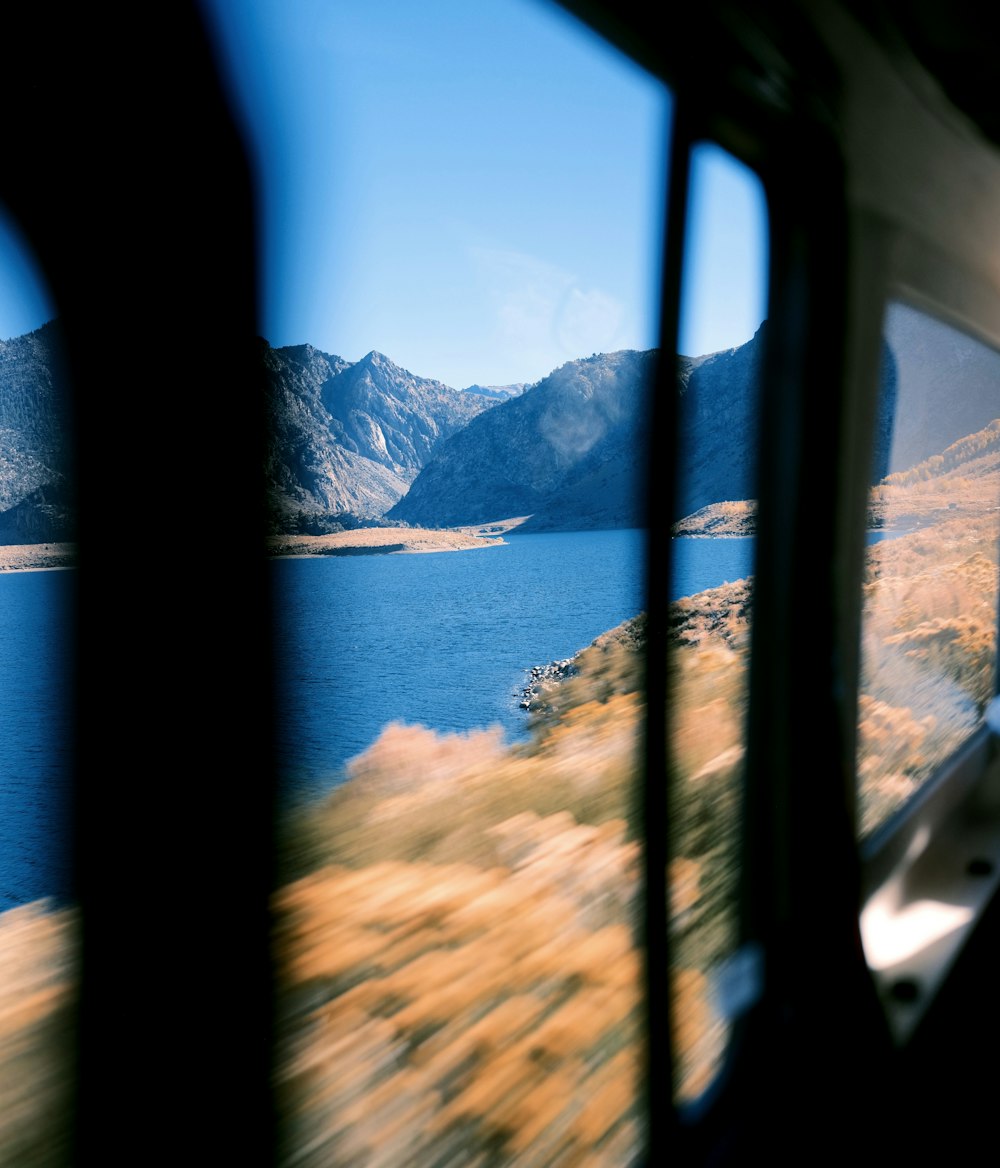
(440, 639)
(35, 734)
(445, 639)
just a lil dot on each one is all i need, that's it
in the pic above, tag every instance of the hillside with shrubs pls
(458, 978)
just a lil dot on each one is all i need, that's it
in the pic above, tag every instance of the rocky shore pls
(541, 676)
(544, 680)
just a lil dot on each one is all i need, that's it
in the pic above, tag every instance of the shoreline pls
(37, 557)
(376, 541)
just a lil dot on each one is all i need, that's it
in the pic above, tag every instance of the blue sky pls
(724, 290)
(474, 189)
(25, 301)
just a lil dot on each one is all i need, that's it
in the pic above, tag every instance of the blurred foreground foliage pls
(459, 981)
(460, 915)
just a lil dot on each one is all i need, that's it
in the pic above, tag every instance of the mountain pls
(948, 385)
(570, 450)
(36, 499)
(356, 441)
(718, 425)
(961, 482)
(500, 392)
(555, 452)
(719, 420)
(351, 437)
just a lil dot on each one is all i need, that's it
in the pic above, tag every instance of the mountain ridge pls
(513, 459)
(369, 441)
(348, 438)
(36, 452)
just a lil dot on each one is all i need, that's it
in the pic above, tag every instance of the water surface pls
(35, 735)
(444, 640)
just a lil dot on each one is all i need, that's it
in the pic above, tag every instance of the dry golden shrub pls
(461, 934)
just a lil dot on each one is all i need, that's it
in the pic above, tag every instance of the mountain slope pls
(518, 457)
(350, 437)
(306, 470)
(385, 413)
(36, 503)
(571, 450)
(719, 426)
(962, 481)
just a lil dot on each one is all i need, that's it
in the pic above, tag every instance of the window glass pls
(928, 663)
(462, 211)
(37, 918)
(723, 305)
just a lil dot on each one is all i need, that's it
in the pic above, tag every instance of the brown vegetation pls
(928, 654)
(37, 957)
(460, 977)
(459, 969)
(459, 980)
(732, 517)
(929, 619)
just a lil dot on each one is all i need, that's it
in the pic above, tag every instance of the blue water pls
(35, 735)
(700, 562)
(444, 639)
(440, 639)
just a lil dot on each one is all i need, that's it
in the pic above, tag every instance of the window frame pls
(859, 163)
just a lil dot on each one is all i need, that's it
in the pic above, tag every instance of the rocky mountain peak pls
(36, 480)
(351, 437)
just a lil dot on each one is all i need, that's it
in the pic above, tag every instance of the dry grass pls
(732, 517)
(37, 981)
(460, 974)
(928, 651)
(459, 978)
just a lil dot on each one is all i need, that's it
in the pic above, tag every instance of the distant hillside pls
(949, 381)
(963, 481)
(571, 450)
(357, 441)
(719, 423)
(36, 498)
(351, 437)
(500, 392)
(564, 452)
(719, 426)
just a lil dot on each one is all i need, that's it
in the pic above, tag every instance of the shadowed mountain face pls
(369, 438)
(571, 450)
(36, 502)
(720, 403)
(564, 451)
(351, 437)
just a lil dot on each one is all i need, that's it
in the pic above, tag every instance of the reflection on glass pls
(725, 281)
(930, 599)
